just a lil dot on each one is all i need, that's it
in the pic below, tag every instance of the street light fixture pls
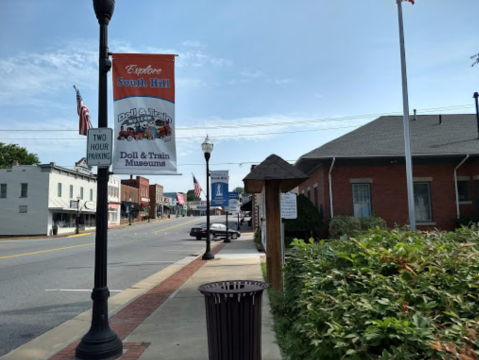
(77, 231)
(129, 213)
(207, 147)
(100, 342)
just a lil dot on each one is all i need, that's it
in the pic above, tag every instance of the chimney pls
(440, 119)
(414, 115)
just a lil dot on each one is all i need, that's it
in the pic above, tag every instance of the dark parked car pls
(216, 230)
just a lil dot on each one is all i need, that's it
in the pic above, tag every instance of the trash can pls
(233, 319)
(55, 230)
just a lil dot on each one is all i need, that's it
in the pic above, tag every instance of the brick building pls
(143, 186)
(158, 207)
(363, 172)
(129, 197)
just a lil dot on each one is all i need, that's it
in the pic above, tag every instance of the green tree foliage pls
(12, 152)
(309, 219)
(190, 196)
(241, 191)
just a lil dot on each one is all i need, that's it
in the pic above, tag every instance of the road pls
(45, 282)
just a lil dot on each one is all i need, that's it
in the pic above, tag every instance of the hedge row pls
(383, 295)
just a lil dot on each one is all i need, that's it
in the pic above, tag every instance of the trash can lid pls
(233, 287)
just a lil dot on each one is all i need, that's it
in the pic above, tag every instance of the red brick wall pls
(389, 192)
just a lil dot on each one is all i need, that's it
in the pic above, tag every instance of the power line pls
(283, 123)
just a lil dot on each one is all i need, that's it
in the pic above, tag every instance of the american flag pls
(84, 114)
(197, 187)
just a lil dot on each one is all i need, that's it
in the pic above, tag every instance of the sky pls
(277, 77)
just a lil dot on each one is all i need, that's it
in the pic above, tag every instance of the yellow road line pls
(43, 251)
(175, 226)
(77, 235)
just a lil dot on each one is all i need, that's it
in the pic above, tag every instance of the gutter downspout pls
(331, 188)
(455, 184)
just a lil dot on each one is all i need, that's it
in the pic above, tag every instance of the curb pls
(53, 341)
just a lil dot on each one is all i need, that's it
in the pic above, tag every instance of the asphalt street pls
(45, 282)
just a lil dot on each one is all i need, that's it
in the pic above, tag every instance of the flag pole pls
(407, 133)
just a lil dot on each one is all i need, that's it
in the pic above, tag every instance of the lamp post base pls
(108, 348)
(208, 256)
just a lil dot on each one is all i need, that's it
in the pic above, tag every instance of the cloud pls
(252, 76)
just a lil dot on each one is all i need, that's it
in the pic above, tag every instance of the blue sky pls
(246, 63)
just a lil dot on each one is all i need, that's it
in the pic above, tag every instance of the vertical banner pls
(219, 188)
(233, 206)
(144, 105)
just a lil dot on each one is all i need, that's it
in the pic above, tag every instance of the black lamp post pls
(77, 231)
(100, 342)
(129, 214)
(207, 147)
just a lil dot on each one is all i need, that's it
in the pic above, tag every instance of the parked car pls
(216, 230)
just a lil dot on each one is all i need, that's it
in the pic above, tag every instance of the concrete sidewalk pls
(163, 317)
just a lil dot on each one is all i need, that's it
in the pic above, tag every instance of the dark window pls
(309, 195)
(463, 190)
(81, 193)
(91, 194)
(71, 191)
(316, 196)
(3, 190)
(24, 190)
(422, 202)
(362, 200)
(59, 190)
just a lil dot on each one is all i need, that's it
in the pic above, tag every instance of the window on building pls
(3, 191)
(24, 190)
(124, 196)
(309, 195)
(71, 191)
(23, 209)
(362, 200)
(91, 194)
(316, 196)
(59, 190)
(422, 202)
(463, 190)
(81, 193)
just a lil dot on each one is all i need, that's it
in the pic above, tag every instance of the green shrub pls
(257, 236)
(343, 225)
(372, 222)
(309, 219)
(463, 221)
(391, 295)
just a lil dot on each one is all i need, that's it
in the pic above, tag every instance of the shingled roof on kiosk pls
(274, 168)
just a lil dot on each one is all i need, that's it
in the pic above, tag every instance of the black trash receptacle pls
(55, 230)
(233, 319)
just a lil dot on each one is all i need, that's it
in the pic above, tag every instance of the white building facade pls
(46, 199)
(114, 202)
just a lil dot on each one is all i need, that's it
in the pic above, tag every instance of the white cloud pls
(252, 76)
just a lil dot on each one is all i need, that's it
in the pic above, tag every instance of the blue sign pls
(219, 188)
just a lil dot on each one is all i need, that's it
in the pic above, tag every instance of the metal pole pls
(238, 228)
(227, 240)
(78, 217)
(101, 342)
(208, 255)
(407, 134)
(476, 95)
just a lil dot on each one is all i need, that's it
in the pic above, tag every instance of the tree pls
(190, 196)
(309, 219)
(12, 152)
(241, 191)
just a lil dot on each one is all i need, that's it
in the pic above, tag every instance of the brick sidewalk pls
(130, 317)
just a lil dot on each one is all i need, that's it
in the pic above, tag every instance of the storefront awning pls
(126, 205)
(246, 206)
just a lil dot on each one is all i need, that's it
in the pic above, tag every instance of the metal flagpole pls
(407, 140)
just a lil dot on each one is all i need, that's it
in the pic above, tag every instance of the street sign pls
(289, 208)
(233, 202)
(99, 147)
(90, 205)
(73, 204)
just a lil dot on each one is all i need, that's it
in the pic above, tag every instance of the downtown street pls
(48, 281)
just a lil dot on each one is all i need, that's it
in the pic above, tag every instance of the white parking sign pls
(99, 147)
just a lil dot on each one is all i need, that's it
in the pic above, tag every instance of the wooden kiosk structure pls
(276, 176)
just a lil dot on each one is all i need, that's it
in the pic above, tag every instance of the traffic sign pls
(99, 147)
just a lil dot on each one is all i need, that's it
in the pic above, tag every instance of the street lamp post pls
(207, 147)
(100, 342)
(77, 231)
(129, 214)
